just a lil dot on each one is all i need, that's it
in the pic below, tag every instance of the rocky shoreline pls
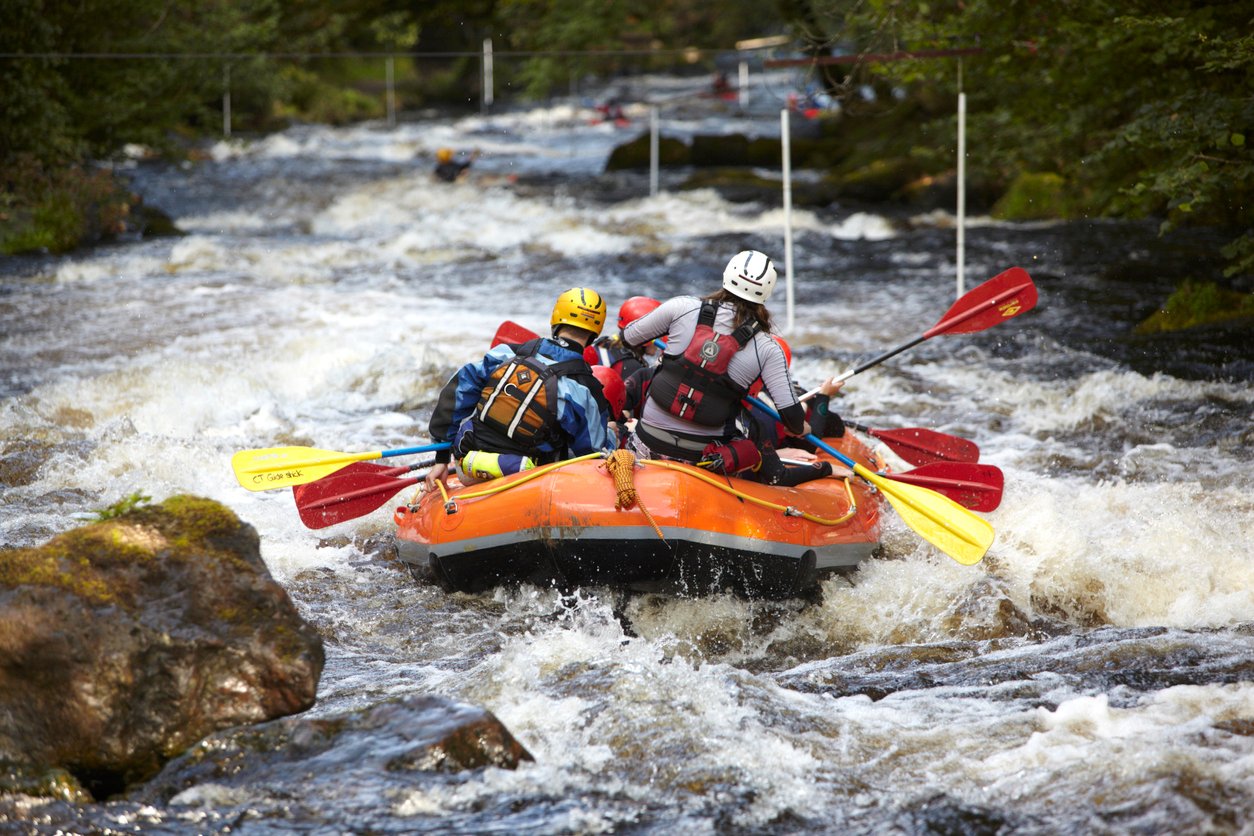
(155, 642)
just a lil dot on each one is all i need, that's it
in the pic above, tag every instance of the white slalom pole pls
(962, 192)
(487, 74)
(961, 255)
(653, 152)
(785, 145)
(226, 100)
(391, 91)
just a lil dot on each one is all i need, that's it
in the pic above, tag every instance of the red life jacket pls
(694, 386)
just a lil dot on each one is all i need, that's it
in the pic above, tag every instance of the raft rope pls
(450, 506)
(621, 465)
(622, 469)
(787, 510)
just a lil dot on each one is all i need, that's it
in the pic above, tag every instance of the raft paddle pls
(921, 446)
(976, 487)
(1002, 297)
(512, 332)
(353, 492)
(936, 518)
(284, 467)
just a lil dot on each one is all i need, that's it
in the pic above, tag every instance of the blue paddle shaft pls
(405, 451)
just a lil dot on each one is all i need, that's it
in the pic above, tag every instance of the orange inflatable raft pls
(644, 526)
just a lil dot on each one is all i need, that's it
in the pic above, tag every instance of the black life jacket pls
(694, 386)
(517, 409)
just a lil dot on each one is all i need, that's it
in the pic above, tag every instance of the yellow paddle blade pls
(936, 518)
(283, 467)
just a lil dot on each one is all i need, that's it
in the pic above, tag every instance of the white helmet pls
(750, 275)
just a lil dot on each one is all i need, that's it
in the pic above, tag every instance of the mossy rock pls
(127, 640)
(635, 154)
(764, 152)
(157, 224)
(1198, 303)
(881, 181)
(720, 151)
(741, 185)
(81, 561)
(42, 782)
(940, 191)
(1034, 196)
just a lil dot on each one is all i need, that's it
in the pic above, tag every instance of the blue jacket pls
(579, 413)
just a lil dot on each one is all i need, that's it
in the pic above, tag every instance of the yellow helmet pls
(581, 307)
(443, 155)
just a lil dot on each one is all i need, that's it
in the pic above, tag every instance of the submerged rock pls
(124, 642)
(301, 756)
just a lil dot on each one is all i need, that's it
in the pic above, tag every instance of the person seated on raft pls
(496, 425)
(716, 348)
(765, 433)
(610, 350)
(770, 437)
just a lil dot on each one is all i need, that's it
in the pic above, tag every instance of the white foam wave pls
(861, 226)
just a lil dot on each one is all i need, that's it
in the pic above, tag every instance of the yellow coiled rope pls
(621, 464)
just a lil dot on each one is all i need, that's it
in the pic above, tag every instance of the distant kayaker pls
(449, 169)
(610, 350)
(527, 404)
(716, 347)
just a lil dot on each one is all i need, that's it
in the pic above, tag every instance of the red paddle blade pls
(1006, 295)
(512, 332)
(977, 487)
(921, 446)
(347, 495)
(363, 467)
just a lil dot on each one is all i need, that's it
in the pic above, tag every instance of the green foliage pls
(1198, 303)
(1240, 254)
(1034, 196)
(92, 106)
(622, 31)
(56, 209)
(306, 95)
(1142, 106)
(123, 506)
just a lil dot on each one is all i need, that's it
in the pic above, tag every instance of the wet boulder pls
(744, 185)
(636, 153)
(320, 756)
(126, 641)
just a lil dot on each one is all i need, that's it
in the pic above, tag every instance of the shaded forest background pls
(1129, 109)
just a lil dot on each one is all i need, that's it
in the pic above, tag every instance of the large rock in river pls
(124, 642)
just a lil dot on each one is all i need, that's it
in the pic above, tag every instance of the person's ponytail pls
(746, 311)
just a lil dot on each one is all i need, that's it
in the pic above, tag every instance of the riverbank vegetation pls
(1135, 109)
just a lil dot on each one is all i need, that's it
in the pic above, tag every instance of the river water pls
(1095, 673)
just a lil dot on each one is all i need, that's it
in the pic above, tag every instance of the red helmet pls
(613, 388)
(787, 348)
(634, 308)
